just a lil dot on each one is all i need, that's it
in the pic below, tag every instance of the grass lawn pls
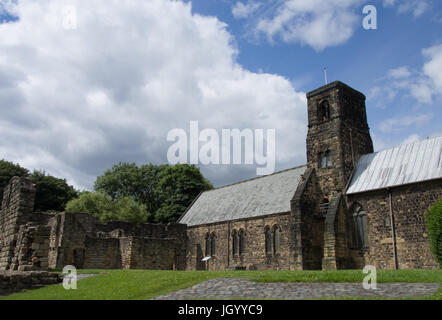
(145, 284)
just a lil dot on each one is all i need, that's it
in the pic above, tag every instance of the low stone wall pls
(13, 281)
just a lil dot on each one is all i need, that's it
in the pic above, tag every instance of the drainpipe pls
(393, 231)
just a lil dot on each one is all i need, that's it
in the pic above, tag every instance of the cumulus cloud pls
(316, 23)
(77, 101)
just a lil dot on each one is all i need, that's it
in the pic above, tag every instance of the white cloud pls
(423, 85)
(416, 7)
(433, 67)
(401, 72)
(75, 102)
(241, 10)
(316, 23)
(421, 92)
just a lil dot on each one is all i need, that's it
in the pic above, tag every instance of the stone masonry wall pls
(17, 205)
(409, 205)
(38, 241)
(310, 223)
(254, 257)
(13, 281)
(80, 239)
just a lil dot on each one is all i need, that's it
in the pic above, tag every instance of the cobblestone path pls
(234, 288)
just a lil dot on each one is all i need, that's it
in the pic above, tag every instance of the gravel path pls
(234, 288)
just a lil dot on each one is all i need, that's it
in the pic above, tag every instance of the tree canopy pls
(52, 194)
(179, 185)
(106, 209)
(126, 192)
(166, 191)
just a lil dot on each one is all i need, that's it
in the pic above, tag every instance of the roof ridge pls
(256, 178)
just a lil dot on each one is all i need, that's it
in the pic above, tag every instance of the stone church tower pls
(338, 134)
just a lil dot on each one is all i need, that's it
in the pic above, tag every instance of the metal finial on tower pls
(325, 75)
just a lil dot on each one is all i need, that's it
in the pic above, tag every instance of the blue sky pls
(76, 100)
(363, 61)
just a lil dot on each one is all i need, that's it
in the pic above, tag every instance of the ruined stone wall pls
(32, 247)
(13, 281)
(79, 239)
(164, 250)
(100, 254)
(409, 205)
(23, 234)
(68, 236)
(254, 256)
(38, 241)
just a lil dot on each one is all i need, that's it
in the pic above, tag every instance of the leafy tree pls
(8, 170)
(129, 180)
(433, 219)
(178, 187)
(120, 181)
(131, 211)
(105, 209)
(52, 193)
(165, 191)
(95, 203)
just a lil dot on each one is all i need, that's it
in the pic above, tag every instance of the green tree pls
(433, 219)
(120, 181)
(179, 185)
(8, 170)
(131, 211)
(52, 194)
(129, 180)
(165, 191)
(95, 203)
(105, 208)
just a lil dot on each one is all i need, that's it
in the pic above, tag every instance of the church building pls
(346, 208)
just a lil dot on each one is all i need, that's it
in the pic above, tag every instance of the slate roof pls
(251, 198)
(410, 163)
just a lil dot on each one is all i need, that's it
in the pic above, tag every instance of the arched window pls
(268, 238)
(323, 110)
(235, 241)
(213, 245)
(242, 241)
(207, 245)
(276, 239)
(359, 227)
